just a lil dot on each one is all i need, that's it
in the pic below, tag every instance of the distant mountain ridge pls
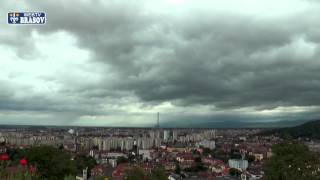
(310, 129)
(188, 123)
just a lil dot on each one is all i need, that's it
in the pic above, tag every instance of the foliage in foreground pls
(292, 161)
(51, 164)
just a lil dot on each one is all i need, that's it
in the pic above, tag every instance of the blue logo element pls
(27, 18)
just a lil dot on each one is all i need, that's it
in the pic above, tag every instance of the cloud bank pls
(117, 63)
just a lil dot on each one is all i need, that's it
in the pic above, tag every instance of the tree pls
(121, 159)
(98, 178)
(83, 162)
(199, 166)
(158, 174)
(70, 177)
(250, 158)
(292, 160)
(22, 175)
(16, 154)
(235, 154)
(48, 163)
(198, 159)
(234, 172)
(136, 173)
(178, 169)
(206, 151)
(51, 163)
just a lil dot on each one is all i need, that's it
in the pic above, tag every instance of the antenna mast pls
(158, 121)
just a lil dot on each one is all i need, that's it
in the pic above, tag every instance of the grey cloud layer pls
(227, 61)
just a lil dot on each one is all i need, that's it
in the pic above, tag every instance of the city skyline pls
(198, 63)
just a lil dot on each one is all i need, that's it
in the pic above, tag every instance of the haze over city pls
(217, 63)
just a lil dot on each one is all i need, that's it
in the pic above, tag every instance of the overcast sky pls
(118, 62)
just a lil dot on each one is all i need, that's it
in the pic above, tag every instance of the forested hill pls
(309, 129)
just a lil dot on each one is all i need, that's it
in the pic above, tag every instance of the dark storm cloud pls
(224, 67)
(202, 57)
(226, 60)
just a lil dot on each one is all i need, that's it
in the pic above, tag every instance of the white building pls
(113, 162)
(174, 135)
(146, 154)
(126, 143)
(166, 135)
(207, 144)
(238, 164)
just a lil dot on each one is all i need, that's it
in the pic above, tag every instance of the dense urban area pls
(154, 153)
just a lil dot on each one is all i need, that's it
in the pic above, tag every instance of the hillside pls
(309, 129)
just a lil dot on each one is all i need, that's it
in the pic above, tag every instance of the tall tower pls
(158, 121)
